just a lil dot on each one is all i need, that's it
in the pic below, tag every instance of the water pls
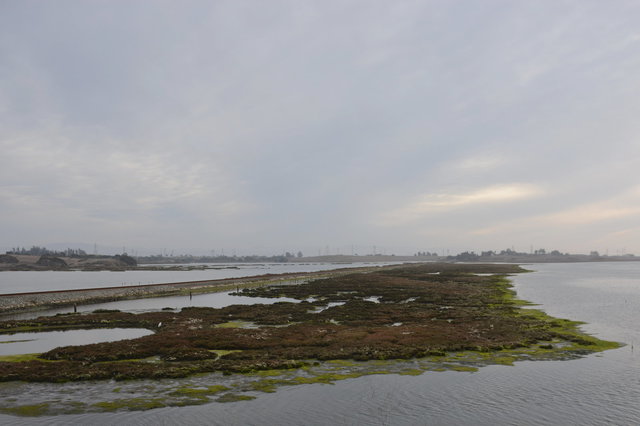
(136, 306)
(30, 281)
(28, 343)
(596, 390)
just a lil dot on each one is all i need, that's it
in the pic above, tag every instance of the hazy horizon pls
(325, 127)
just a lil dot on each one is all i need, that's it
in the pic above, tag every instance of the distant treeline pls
(43, 251)
(470, 255)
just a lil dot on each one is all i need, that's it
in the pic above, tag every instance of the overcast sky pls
(263, 126)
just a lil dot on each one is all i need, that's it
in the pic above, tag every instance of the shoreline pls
(50, 299)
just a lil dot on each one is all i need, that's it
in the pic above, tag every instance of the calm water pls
(212, 300)
(28, 281)
(596, 390)
(28, 343)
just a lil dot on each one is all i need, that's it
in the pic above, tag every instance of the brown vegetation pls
(420, 310)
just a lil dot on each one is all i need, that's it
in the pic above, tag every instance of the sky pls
(331, 126)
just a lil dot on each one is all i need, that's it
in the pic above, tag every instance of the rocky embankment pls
(36, 301)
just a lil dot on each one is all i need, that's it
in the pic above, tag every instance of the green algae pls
(21, 358)
(209, 390)
(381, 362)
(33, 410)
(236, 324)
(131, 404)
(268, 373)
(329, 378)
(268, 381)
(234, 397)
(271, 385)
(343, 362)
(411, 372)
(223, 352)
(461, 368)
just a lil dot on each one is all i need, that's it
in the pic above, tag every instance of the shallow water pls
(596, 390)
(27, 343)
(212, 300)
(30, 281)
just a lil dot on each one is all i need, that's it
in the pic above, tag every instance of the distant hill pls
(48, 262)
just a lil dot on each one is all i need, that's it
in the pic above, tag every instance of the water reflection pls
(28, 343)
(31, 281)
(211, 300)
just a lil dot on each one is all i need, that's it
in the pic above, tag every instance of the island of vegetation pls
(440, 314)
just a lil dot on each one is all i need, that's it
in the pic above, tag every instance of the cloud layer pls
(320, 126)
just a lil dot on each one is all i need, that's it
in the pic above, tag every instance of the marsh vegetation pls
(403, 312)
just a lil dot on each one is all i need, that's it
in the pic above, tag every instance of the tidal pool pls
(28, 343)
(210, 300)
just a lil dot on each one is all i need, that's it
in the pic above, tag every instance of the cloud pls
(479, 163)
(72, 179)
(430, 204)
(615, 211)
(287, 124)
